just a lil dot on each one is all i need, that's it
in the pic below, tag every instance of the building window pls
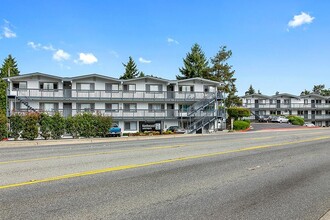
(318, 101)
(156, 107)
(111, 107)
(130, 107)
(327, 112)
(48, 85)
(248, 101)
(130, 126)
(286, 101)
(318, 112)
(300, 112)
(306, 101)
(85, 86)
(19, 85)
(184, 107)
(85, 107)
(111, 87)
(186, 88)
(154, 88)
(129, 87)
(273, 112)
(48, 106)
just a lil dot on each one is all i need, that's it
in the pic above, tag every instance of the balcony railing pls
(286, 106)
(137, 114)
(68, 94)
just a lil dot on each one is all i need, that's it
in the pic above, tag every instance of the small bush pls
(241, 125)
(45, 125)
(3, 126)
(296, 120)
(16, 125)
(102, 124)
(30, 126)
(85, 122)
(71, 126)
(57, 126)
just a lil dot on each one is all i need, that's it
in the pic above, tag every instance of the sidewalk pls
(70, 141)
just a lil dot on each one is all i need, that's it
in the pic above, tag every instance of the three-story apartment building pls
(313, 107)
(190, 103)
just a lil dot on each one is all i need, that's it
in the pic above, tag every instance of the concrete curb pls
(25, 143)
(326, 216)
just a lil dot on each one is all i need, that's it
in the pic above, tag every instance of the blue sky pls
(277, 45)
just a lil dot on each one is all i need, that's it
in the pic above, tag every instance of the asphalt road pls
(252, 175)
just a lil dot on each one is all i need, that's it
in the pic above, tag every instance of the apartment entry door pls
(67, 88)
(170, 110)
(67, 109)
(170, 92)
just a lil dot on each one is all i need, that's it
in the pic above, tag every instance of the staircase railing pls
(200, 105)
(26, 103)
(206, 119)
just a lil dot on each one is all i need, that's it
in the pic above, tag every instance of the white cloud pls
(33, 45)
(142, 60)
(86, 58)
(60, 55)
(38, 46)
(301, 19)
(172, 41)
(49, 47)
(7, 33)
(6, 30)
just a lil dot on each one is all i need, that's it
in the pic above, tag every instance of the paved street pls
(251, 175)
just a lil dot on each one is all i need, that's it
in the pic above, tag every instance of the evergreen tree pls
(195, 64)
(131, 70)
(305, 92)
(222, 72)
(9, 65)
(141, 74)
(250, 91)
(318, 89)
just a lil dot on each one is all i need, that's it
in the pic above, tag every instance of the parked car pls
(115, 131)
(176, 129)
(280, 119)
(308, 124)
(264, 118)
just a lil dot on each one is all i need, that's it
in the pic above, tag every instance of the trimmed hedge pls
(3, 126)
(241, 125)
(30, 126)
(238, 112)
(296, 120)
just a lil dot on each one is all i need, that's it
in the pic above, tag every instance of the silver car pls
(280, 119)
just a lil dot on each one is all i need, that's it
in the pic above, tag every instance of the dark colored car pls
(264, 118)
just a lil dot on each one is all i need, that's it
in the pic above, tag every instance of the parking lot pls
(266, 126)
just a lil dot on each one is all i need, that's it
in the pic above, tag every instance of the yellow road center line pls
(132, 166)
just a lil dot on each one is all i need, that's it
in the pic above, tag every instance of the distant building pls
(313, 107)
(133, 104)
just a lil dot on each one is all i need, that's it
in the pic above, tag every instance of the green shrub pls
(16, 125)
(241, 125)
(86, 122)
(57, 126)
(296, 120)
(238, 112)
(102, 124)
(45, 125)
(30, 126)
(71, 126)
(3, 126)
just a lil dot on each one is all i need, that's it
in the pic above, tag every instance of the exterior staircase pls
(202, 113)
(26, 103)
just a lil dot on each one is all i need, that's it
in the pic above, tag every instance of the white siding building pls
(190, 103)
(313, 107)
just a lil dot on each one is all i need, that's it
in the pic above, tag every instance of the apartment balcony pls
(74, 95)
(296, 106)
